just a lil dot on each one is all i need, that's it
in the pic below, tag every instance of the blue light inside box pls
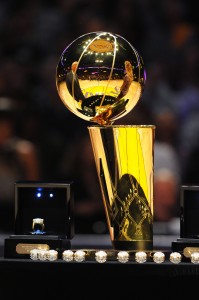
(52, 202)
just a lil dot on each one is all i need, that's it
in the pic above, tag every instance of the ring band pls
(43, 254)
(38, 224)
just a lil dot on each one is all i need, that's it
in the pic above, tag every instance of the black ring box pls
(53, 202)
(189, 220)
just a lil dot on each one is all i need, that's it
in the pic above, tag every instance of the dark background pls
(33, 35)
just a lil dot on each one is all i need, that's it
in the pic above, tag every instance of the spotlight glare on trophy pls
(100, 77)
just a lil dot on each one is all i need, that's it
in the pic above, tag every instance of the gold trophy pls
(100, 77)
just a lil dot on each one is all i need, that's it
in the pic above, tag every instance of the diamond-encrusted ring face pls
(158, 257)
(123, 256)
(43, 254)
(67, 255)
(79, 256)
(52, 255)
(34, 254)
(195, 257)
(175, 257)
(140, 257)
(101, 256)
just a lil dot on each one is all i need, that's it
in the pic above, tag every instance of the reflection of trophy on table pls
(123, 154)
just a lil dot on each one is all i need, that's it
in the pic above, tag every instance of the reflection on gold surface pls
(106, 84)
(124, 161)
(109, 72)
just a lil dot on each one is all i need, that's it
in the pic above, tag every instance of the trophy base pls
(19, 246)
(133, 245)
(185, 246)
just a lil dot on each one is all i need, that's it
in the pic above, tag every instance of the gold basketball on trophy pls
(100, 77)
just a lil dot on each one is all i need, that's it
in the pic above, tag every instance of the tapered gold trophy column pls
(100, 78)
(124, 161)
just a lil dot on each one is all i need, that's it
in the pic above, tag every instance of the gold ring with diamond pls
(38, 224)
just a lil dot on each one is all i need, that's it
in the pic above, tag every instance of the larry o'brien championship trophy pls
(100, 77)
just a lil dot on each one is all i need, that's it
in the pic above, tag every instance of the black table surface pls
(25, 277)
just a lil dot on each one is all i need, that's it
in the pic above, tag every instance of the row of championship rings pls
(102, 256)
(42, 254)
(122, 256)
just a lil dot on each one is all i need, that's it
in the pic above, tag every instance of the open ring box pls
(43, 218)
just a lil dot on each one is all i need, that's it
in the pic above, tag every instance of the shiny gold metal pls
(124, 162)
(25, 248)
(100, 77)
(187, 251)
(39, 223)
